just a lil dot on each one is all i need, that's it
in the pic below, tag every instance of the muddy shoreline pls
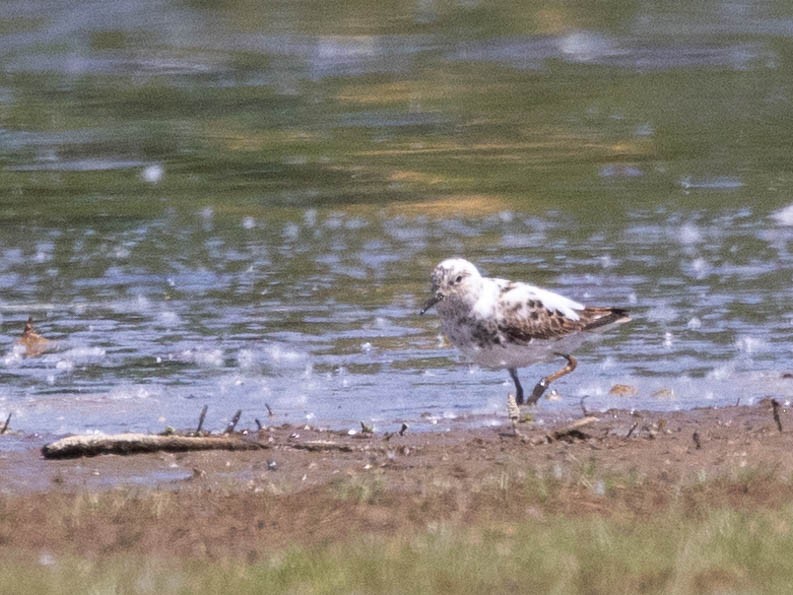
(289, 449)
(309, 486)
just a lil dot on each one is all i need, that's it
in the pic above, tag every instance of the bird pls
(505, 324)
(32, 342)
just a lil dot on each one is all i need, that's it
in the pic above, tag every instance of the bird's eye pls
(459, 278)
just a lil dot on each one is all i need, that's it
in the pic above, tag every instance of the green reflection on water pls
(296, 146)
(419, 108)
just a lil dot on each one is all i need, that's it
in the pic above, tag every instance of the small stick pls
(633, 427)
(695, 438)
(572, 431)
(5, 425)
(403, 429)
(258, 424)
(583, 407)
(775, 412)
(269, 411)
(201, 419)
(233, 423)
(320, 445)
(366, 429)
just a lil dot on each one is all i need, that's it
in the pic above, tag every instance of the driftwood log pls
(123, 444)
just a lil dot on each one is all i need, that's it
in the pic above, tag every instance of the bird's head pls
(454, 279)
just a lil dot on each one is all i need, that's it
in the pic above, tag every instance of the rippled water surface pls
(240, 206)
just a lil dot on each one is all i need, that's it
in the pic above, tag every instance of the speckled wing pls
(527, 313)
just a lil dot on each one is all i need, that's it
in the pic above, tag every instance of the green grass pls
(722, 551)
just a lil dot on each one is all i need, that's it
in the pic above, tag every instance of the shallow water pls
(240, 207)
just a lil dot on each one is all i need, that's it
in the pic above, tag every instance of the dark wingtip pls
(621, 314)
(607, 316)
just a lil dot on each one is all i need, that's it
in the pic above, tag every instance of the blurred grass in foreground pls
(675, 550)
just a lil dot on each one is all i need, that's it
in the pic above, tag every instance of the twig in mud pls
(737, 401)
(401, 432)
(321, 445)
(697, 442)
(233, 423)
(269, 410)
(775, 413)
(630, 432)
(5, 425)
(366, 429)
(259, 425)
(201, 419)
(572, 431)
(583, 407)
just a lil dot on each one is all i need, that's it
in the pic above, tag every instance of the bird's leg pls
(518, 388)
(543, 384)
